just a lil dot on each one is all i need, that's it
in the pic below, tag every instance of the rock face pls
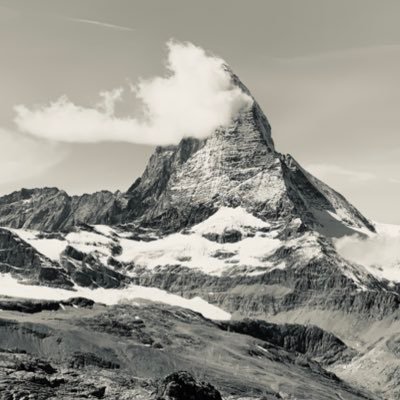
(37, 306)
(51, 209)
(19, 258)
(310, 340)
(182, 386)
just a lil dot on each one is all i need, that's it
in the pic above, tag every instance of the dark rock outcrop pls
(21, 259)
(87, 271)
(82, 360)
(309, 340)
(182, 386)
(35, 306)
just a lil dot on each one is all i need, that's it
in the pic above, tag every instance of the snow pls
(190, 250)
(10, 286)
(307, 246)
(51, 248)
(82, 240)
(227, 218)
(262, 349)
(196, 252)
(89, 242)
(87, 238)
(105, 230)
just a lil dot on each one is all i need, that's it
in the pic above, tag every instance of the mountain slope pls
(125, 348)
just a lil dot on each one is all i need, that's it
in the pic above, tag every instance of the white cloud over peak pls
(195, 98)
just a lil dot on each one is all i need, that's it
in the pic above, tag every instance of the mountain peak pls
(237, 165)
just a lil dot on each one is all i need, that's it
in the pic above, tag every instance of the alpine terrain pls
(215, 275)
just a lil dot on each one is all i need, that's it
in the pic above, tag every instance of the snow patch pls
(51, 248)
(89, 242)
(227, 218)
(10, 286)
(84, 241)
(196, 252)
(193, 251)
(105, 230)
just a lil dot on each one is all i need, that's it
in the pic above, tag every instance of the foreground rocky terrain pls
(124, 352)
(227, 226)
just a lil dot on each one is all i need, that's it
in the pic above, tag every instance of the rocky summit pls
(226, 226)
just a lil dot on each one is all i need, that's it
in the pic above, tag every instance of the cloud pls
(379, 253)
(101, 24)
(195, 98)
(24, 157)
(325, 171)
(330, 172)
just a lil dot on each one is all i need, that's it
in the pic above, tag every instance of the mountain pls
(227, 219)
(231, 187)
(236, 166)
(185, 184)
(51, 209)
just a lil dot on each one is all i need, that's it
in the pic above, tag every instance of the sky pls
(324, 72)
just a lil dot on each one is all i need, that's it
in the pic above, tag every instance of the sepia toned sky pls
(326, 74)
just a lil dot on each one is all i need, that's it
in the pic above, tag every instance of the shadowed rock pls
(182, 386)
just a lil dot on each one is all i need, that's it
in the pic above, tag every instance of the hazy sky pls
(325, 72)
